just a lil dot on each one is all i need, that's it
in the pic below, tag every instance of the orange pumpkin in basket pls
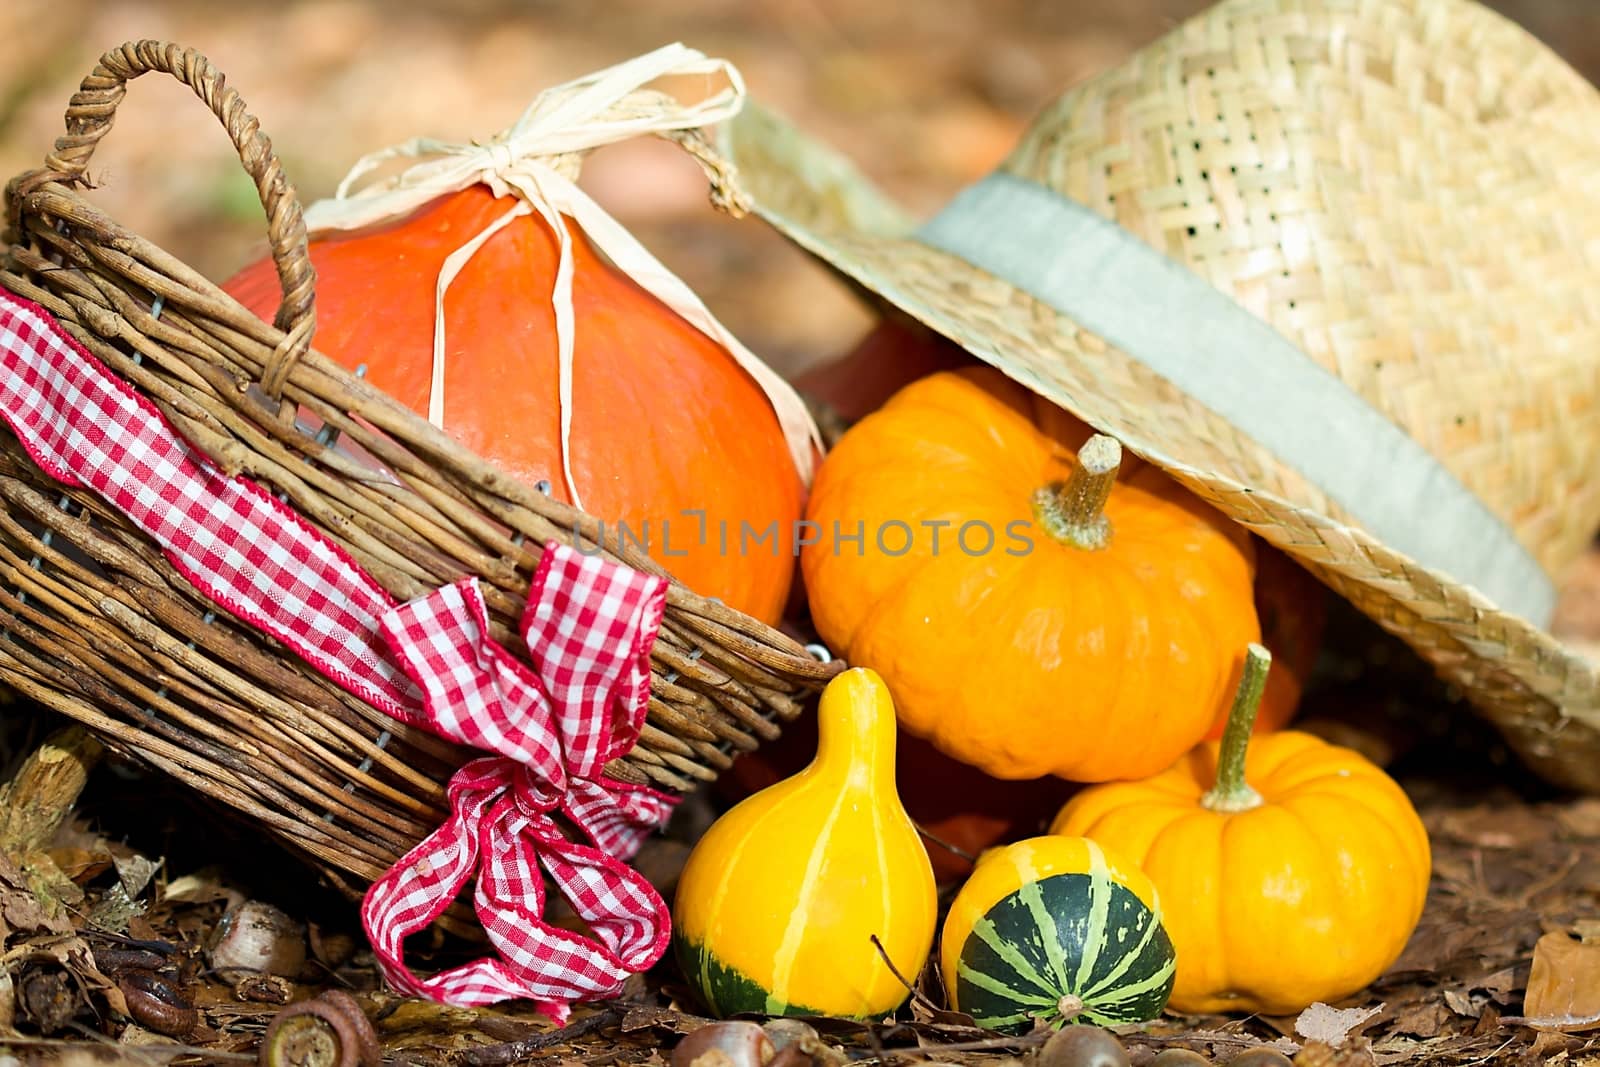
(665, 424)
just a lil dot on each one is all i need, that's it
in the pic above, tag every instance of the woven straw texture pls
(100, 627)
(1399, 188)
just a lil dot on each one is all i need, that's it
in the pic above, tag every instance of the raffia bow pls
(536, 161)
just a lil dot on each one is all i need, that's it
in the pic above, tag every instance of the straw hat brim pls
(1541, 695)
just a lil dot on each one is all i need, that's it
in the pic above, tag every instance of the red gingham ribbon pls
(589, 627)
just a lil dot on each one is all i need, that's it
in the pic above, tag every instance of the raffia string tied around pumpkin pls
(536, 161)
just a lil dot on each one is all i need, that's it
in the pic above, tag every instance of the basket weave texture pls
(100, 627)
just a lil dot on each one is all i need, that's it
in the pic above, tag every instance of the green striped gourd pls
(1060, 929)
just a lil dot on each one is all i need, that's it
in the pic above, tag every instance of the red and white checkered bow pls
(589, 627)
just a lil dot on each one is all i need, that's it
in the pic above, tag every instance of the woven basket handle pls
(89, 117)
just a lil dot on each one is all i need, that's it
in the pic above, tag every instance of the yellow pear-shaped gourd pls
(779, 902)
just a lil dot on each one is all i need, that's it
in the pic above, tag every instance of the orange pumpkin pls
(665, 423)
(1290, 870)
(1291, 605)
(1032, 614)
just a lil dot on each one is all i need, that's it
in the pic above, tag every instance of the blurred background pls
(925, 96)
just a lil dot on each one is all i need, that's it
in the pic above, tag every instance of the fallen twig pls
(960, 853)
(512, 1051)
(155, 1053)
(916, 994)
(1565, 1024)
(987, 1044)
(1212, 1037)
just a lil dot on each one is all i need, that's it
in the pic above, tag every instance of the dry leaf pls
(1499, 984)
(1546, 1044)
(1463, 1005)
(1443, 942)
(1422, 1018)
(1331, 1025)
(1563, 986)
(115, 910)
(1320, 1054)
(135, 872)
(202, 887)
(8, 1001)
(668, 1020)
(1495, 827)
(1581, 818)
(20, 911)
(80, 864)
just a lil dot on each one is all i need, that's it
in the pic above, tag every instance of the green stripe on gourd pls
(726, 990)
(1066, 940)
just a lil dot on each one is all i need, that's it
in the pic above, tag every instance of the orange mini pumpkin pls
(669, 434)
(1032, 614)
(1291, 870)
(1291, 605)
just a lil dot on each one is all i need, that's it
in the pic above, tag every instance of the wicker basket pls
(99, 626)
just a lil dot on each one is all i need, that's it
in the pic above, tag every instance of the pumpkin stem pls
(1074, 513)
(1069, 1007)
(1231, 792)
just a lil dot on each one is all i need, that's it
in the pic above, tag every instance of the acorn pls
(1260, 1057)
(1179, 1057)
(1083, 1046)
(799, 1045)
(255, 936)
(784, 1032)
(735, 1043)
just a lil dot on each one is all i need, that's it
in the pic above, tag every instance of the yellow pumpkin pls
(1032, 613)
(779, 902)
(1291, 870)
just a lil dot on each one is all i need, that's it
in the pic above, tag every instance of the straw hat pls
(1334, 265)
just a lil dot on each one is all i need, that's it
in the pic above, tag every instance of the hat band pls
(1197, 337)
